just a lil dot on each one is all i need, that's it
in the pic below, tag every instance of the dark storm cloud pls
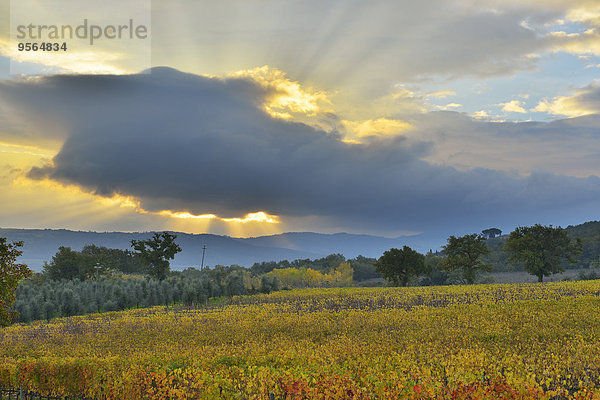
(189, 143)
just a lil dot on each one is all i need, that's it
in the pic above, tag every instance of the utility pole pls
(203, 251)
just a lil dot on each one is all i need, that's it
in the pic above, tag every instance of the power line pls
(203, 251)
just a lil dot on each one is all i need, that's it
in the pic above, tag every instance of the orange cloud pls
(285, 98)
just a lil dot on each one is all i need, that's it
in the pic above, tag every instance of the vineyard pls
(525, 341)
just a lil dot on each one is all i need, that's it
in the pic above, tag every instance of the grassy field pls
(525, 277)
(524, 341)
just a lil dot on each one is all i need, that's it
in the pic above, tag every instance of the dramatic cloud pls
(585, 101)
(188, 143)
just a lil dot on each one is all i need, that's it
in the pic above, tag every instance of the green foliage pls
(364, 268)
(465, 253)
(325, 264)
(235, 285)
(269, 284)
(11, 274)
(156, 253)
(65, 264)
(265, 267)
(39, 299)
(589, 234)
(398, 266)
(106, 260)
(497, 258)
(91, 262)
(542, 249)
(434, 274)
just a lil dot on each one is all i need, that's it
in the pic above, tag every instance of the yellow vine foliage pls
(310, 278)
(526, 341)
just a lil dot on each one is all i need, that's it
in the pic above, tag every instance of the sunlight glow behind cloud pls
(584, 101)
(285, 98)
(377, 127)
(339, 113)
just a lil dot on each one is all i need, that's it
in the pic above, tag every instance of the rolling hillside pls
(42, 244)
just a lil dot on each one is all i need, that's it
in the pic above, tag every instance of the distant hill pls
(589, 233)
(42, 244)
(347, 244)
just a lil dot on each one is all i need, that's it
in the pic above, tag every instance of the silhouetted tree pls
(491, 233)
(156, 253)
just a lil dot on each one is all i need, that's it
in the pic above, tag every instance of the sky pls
(384, 117)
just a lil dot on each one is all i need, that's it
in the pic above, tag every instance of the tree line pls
(539, 250)
(100, 279)
(150, 257)
(93, 280)
(49, 298)
(363, 268)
